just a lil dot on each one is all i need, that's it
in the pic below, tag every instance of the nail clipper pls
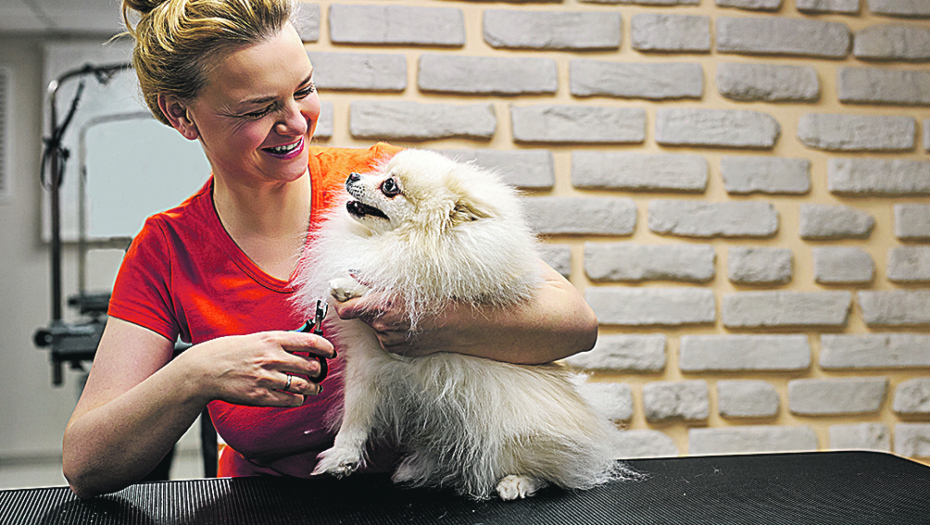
(315, 325)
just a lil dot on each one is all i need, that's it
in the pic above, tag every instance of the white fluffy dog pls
(425, 231)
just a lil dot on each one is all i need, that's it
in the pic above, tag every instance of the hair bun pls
(143, 7)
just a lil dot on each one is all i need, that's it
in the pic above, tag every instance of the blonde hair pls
(177, 40)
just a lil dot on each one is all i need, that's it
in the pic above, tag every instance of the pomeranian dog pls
(424, 232)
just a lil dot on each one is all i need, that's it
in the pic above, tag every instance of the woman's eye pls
(259, 114)
(306, 92)
(389, 187)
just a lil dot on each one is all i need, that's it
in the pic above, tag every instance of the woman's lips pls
(287, 151)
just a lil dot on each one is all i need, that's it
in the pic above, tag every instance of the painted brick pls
(848, 7)
(772, 175)
(665, 401)
(927, 134)
(895, 308)
(602, 216)
(472, 75)
(780, 309)
(713, 219)
(902, 8)
(404, 120)
(619, 170)
(867, 176)
(635, 444)
(892, 42)
(912, 398)
(324, 124)
(679, 33)
(635, 80)
(842, 265)
(751, 440)
(751, 5)
(624, 306)
(768, 82)
(731, 353)
(909, 264)
(870, 351)
(737, 128)
(829, 397)
(758, 265)
(825, 221)
(746, 399)
(649, 262)
(912, 222)
(782, 36)
(359, 71)
(857, 132)
(613, 400)
(624, 352)
(644, 2)
(307, 22)
(861, 436)
(558, 256)
(578, 124)
(527, 168)
(396, 25)
(552, 30)
(912, 439)
(872, 85)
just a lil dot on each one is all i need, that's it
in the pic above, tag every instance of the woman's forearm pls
(557, 323)
(138, 402)
(113, 445)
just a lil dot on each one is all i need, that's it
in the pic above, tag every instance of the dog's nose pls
(353, 177)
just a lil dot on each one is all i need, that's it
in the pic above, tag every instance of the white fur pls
(454, 233)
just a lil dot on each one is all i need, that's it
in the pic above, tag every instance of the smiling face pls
(258, 111)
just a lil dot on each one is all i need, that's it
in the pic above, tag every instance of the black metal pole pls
(103, 74)
(54, 155)
(55, 191)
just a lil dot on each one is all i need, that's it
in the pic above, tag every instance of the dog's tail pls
(607, 400)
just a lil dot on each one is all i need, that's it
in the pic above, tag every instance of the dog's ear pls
(469, 209)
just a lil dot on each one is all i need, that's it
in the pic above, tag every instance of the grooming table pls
(817, 488)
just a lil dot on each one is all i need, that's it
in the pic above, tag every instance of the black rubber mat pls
(815, 488)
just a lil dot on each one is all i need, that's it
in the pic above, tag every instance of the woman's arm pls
(138, 402)
(556, 324)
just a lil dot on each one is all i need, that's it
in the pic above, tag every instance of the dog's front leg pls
(359, 411)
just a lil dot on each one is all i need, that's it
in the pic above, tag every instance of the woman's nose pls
(292, 121)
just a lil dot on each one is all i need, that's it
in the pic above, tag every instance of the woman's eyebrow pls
(271, 98)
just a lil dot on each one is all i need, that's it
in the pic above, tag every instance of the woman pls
(234, 75)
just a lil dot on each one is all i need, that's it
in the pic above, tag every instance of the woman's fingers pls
(303, 342)
(254, 369)
(295, 384)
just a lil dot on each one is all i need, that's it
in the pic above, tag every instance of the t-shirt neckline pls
(241, 259)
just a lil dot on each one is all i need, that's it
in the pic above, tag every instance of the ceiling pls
(60, 16)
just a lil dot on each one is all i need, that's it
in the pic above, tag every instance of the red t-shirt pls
(184, 276)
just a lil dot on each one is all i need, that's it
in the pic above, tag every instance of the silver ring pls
(288, 385)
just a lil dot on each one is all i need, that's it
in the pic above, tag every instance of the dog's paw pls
(412, 468)
(514, 487)
(345, 288)
(337, 462)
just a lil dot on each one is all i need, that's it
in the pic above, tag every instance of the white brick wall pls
(741, 189)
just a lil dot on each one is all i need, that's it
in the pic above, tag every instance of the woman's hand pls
(390, 323)
(263, 369)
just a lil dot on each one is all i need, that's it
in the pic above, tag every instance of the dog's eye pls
(390, 188)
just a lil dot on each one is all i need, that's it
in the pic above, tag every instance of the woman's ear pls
(175, 110)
